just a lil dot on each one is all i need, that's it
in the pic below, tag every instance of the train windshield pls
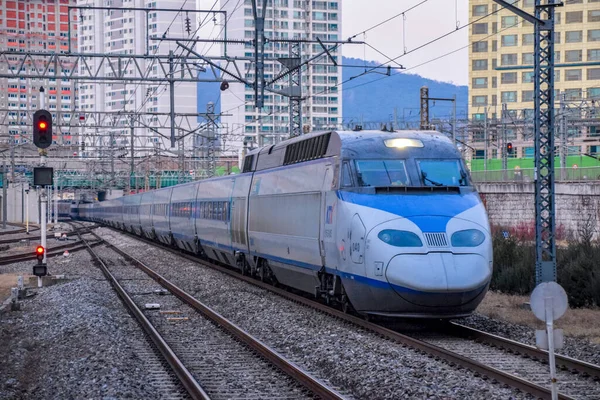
(382, 173)
(442, 173)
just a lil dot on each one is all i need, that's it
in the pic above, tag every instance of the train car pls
(64, 209)
(385, 223)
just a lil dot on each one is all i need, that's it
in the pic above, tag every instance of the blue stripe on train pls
(429, 211)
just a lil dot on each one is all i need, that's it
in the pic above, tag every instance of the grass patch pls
(580, 323)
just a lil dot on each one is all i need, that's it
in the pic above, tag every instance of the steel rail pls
(14, 240)
(186, 378)
(522, 348)
(53, 252)
(449, 356)
(288, 367)
(15, 231)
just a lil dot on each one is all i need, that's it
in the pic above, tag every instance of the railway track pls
(211, 356)
(512, 363)
(18, 239)
(52, 252)
(16, 231)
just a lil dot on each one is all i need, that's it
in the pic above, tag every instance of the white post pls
(550, 329)
(454, 122)
(55, 196)
(44, 200)
(27, 211)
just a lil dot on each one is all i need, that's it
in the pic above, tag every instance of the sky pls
(425, 22)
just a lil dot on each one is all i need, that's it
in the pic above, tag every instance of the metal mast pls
(545, 212)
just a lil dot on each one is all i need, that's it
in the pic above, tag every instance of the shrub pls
(578, 267)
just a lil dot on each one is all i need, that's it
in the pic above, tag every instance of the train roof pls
(350, 144)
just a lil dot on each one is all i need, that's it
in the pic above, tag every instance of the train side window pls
(346, 175)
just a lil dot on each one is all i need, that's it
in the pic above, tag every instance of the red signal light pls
(42, 125)
(39, 252)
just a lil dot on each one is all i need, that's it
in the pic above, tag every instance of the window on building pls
(573, 55)
(509, 21)
(527, 95)
(508, 97)
(593, 35)
(593, 55)
(480, 83)
(573, 36)
(508, 77)
(527, 39)
(479, 100)
(594, 16)
(480, 10)
(508, 59)
(573, 94)
(482, 65)
(480, 28)
(573, 17)
(557, 75)
(509, 40)
(494, 82)
(593, 93)
(573, 75)
(527, 59)
(480, 47)
(557, 37)
(593, 74)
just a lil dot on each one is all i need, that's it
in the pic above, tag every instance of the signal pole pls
(4, 205)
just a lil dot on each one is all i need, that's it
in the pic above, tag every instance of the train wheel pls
(346, 304)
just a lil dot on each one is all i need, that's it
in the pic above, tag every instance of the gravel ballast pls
(577, 348)
(73, 340)
(351, 359)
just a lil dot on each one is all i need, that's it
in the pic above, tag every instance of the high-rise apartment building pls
(285, 19)
(35, 26)
(501, 70)
(127, 32)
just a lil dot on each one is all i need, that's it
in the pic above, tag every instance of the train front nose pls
(438, 278)
(432, 272)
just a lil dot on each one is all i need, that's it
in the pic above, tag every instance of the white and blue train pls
(387, 223)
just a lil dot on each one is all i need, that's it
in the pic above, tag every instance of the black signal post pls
(42, 129)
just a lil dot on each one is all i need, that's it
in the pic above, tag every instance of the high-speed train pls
(385, 223)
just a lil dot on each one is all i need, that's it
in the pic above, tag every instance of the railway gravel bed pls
(350, 358)
(75, 340)
(224, 367)
(580, 349)
(570, 384)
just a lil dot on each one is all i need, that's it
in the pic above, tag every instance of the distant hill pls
(375, 98)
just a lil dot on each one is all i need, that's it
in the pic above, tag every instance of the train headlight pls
(467, 238)
(399, 238)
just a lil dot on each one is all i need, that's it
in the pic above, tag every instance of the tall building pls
(35, 26)
(501, 71)
(126, 32)
(284, 19)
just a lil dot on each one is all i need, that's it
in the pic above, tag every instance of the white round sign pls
(550, 293)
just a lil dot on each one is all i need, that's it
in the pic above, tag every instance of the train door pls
(356, 238)
(326, 232)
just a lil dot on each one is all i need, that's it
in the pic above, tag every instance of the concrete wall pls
(513, 205)
(17, 204)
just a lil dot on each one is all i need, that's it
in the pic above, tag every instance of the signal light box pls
(42, 129)
(43, 176)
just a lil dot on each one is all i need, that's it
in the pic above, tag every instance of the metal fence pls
(526, 175)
